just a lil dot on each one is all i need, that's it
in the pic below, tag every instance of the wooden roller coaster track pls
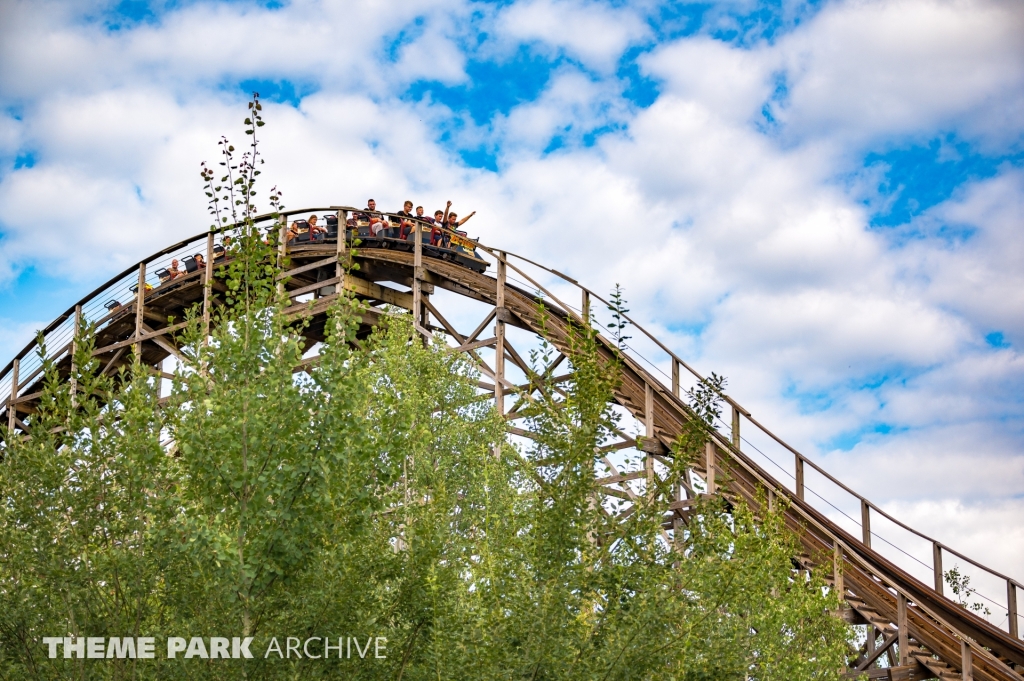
(913, 630)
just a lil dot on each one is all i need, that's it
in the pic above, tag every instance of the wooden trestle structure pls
(912, 628)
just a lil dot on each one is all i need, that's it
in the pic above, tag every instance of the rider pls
(375, 218)
(406, 225)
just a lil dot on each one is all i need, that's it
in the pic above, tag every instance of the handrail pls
(108, 286)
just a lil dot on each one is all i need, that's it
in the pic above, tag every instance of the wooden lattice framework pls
(911, 627)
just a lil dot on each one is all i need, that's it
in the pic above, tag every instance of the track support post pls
(207, 287)
(937, 566)
(966, 662)
(74, 351)
(11, 409)
(837, 571)
(865, 522)
(799, 477)
(901, 623)
(140, 303)
(1011, 608)
(649, 437)
(282, 249)
(709, 455)
(735, 427)
(499, 335)
(339, 268)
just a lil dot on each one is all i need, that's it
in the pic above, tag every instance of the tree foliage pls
(374, 495)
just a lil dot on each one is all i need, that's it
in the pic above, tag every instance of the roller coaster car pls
(112, 305)
(306, 235)
(453, 247)
(190, 264)
(164, 275)
(218, 253)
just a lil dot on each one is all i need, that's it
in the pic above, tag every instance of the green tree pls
(374, 494)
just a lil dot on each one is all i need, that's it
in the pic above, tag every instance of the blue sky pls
(821, 200)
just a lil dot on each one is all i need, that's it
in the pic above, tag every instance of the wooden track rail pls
(913, 630)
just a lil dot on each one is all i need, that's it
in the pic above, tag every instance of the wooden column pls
(417, 272)
(207, 287)
(966, 662)
(872, 635)
(771, 500)
(649, 438)
(585, 309)
(74, 349)
(799, 477)
(675, 377)
(865, 522)
(11, 410)
(901, 622)
(709, 456)
(837, 571)
(499, 335)
(339, 269)
(937, 565)
(282, 249)
(1011, 608)
(735, 427)
(140, 303)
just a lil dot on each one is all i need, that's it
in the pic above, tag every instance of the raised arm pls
(444, 220)
(463, 220)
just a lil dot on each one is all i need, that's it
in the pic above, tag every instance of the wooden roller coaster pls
(912, 630)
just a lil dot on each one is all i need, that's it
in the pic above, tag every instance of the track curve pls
(923, 633)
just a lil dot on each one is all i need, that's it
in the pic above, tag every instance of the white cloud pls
(865, 69)
(592, 32)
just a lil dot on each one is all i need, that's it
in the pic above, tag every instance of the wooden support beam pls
(207, 287)
(117, 355)
(735, 427)
(307, 267)
(309, 288)
(675, 378)
(799, 477)
(901, 623)
(585, 307)
(966, 662)
(282, 248)
(499, 335)
(937, 566)
(341, 257)
(476, 344)
(140, 305)
(877, 653)
(865, 522)
(709, 456)
(649, 435)
(144, 337)
(362, 287)
(837, 571)
(11, 414)
(74, 350)
(418, 276)
(171, 348)
(1011, 608)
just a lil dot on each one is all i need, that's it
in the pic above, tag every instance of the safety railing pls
(555, 288)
